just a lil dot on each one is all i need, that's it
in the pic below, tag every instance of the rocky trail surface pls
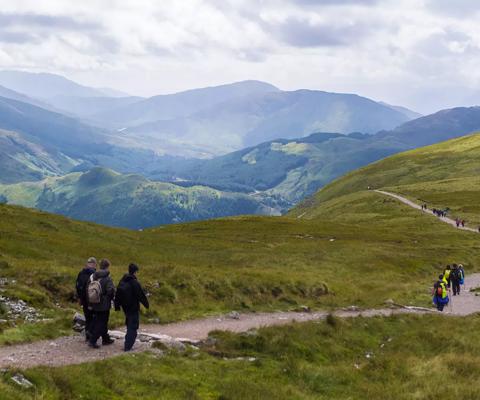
(73, 350)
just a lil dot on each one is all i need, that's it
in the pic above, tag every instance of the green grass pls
(363, 250)
(442, 175)
(411, 357)
(350, 246)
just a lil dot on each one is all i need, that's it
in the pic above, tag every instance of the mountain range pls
(45, 153)
(208, 121)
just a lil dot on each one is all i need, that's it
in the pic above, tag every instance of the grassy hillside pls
(346, 246)
(288, 170)
(442, 175)
(104, 196)
(377, 251)
(399, 358)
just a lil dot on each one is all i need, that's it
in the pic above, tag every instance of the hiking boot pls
(93, 345)
(108, 341)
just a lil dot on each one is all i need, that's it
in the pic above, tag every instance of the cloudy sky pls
(424, 54)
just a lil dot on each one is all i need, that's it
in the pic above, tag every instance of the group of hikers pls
(96, 293)
(459, 222)
(451, 280)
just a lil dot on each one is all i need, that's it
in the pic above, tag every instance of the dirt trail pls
(73, 350)
(418, 207)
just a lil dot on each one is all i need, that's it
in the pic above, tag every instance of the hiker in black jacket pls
(81, 287)
(455, 278)
(129, 296)
(101, 310)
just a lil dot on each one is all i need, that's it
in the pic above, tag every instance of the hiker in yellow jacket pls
(440, 293)
(446, 275)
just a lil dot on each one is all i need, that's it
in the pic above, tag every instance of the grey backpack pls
(94, 291)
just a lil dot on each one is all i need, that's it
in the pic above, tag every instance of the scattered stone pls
(20, 380)
(116, 334)
(6, 281)
(353, 308)
(390, 302)
(369, 354)
(211, 341)
(192, 342)
(18, 309)
(357, 366)
(332, 240)
(144, 338)
(78, 322)
(233, 315)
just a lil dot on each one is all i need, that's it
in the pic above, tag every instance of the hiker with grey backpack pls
(100, 294)
(81, 288)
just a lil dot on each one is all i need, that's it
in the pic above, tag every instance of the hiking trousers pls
(456, 288)
(88, 320)
(100, 326)
(132, 321)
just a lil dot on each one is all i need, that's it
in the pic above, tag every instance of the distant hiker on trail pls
(129, 296)
(440, 293)
(446, 275)
(463, 223)
(455, 276)
(100, 292)
(81, 288)
(457, 222)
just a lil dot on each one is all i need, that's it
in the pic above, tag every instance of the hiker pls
(463, 223)
(457, 222)
(455, 276)
(462, 274)
(100, 292)
(129, 296)
(440, 293)
(446, 275)
(81, 287)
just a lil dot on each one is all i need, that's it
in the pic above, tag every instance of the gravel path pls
(73, 350)
(418, 207)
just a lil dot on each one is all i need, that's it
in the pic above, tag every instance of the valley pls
(346, 247)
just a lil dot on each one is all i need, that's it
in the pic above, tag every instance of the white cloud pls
(419, 53)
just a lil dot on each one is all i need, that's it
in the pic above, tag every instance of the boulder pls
(78, 322)
(20, 380)
(233, 315)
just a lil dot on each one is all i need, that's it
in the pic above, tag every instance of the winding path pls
(418, 207)
(70, 350)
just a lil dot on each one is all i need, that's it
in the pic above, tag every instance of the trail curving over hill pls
(418, 207)
(70, 350)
